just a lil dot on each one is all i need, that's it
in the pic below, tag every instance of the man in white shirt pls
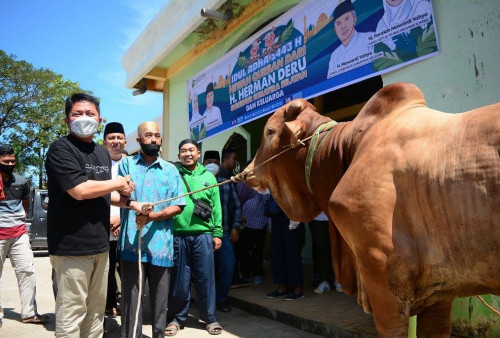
(114, 141)
(353, 43)
(212, 115)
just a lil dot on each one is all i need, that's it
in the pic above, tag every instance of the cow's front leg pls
(435, 321)
(390, 315)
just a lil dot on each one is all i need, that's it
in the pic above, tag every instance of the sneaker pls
(294, 296)
(338, 287)
(258, 280)
(322, 288)
(276, 294)
(240, 283)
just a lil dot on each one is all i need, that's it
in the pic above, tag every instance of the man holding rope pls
(80, 189)
(155, 180)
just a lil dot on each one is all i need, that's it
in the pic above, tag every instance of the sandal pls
(36, 319)
(214, 328)
(223, 307)
(172, 328)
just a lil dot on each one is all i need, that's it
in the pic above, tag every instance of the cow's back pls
(445, 173)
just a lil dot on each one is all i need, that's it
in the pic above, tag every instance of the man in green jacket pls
(195, 240)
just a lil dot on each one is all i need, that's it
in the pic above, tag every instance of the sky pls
(84, 40)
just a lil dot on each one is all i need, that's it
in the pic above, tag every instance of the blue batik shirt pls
(155, 182)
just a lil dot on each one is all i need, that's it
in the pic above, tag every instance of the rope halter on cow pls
(315, 144)
(241, 176)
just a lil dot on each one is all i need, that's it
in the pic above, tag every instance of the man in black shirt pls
(80, 189)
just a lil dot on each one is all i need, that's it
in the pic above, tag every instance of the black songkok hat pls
(113, 127)
(210, 88)
(186, 141)
(211, 155)
(344, 7)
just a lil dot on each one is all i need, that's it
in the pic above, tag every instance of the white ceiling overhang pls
(173, 23)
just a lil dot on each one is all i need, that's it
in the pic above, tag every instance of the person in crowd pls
(322, 254)
(253, 236)
(14, 239)
(124, 153)
(80, 189)
(231, 221)
(353, 43)
(197, 234)
(211, 161)
(114, 141)
(287, 239)
(212, 115)
(156, 180)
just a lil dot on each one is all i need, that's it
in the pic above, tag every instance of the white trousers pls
(82, 282)
(21, 257)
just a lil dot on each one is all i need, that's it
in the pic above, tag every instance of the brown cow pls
(413, 192)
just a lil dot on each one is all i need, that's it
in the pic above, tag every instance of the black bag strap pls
(187, 186)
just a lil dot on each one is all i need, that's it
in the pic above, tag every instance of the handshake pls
(126, 186)
(142, 209)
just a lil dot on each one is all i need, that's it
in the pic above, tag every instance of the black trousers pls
(158, 279)
(114, 265)
(252, 251)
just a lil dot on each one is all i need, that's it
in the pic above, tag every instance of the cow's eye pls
(270, 132)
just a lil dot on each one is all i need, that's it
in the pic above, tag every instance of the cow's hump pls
(387, 101)
(392, 97)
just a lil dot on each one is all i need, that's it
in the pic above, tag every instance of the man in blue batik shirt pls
(156, 180)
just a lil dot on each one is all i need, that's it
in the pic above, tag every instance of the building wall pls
(466, 74)
(177, 95)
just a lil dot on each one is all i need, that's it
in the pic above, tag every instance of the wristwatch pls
(127, 204)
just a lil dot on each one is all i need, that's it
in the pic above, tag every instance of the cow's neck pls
(331, 160)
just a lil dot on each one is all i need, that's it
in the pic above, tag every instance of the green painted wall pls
(464, 76)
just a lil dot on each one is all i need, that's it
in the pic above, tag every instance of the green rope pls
(315, 145)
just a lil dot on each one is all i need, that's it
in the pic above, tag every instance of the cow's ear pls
(295, 129)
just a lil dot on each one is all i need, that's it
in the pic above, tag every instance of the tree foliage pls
(31, 111)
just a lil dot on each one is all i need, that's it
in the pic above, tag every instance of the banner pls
(316, 47)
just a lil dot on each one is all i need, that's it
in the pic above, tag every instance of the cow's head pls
(284, 175)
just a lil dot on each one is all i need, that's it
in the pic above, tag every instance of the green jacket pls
(186, 223)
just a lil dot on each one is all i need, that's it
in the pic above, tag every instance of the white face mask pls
(84, 126)
(213, 168)
(264, 192)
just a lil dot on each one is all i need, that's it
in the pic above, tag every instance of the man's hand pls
(234, 235)
(217, 243)
(114, 225)
(141, 220)
(143, 208)
(241, 176)
(126, 185)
